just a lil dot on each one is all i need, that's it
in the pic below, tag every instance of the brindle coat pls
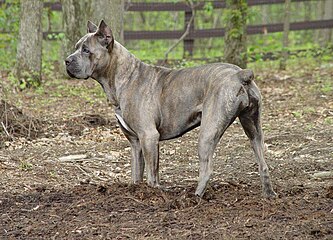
(156, 103)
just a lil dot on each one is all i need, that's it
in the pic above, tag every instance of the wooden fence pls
(203, 33)
(200, 33)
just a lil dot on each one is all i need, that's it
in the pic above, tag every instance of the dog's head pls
(92, 51)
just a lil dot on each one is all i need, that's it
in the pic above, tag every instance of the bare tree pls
(29, 49)
(286, 28)
(235, 51)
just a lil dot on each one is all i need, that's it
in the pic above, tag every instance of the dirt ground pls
(69, 178)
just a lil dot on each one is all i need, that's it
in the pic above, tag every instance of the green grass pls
(25, 166)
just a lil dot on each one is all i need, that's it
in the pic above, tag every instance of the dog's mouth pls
(73, 76)
(70, 74)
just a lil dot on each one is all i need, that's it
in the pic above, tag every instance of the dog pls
(154, 103)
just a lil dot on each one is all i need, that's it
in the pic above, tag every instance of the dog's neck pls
(122, 68)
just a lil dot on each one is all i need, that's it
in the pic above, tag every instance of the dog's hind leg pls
(218, 113)
(251, 123)
(208, 138)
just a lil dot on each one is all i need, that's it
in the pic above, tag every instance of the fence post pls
(188, 42)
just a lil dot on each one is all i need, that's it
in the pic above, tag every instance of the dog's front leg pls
(137, 162)
(150, 148)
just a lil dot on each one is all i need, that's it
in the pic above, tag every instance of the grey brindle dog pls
(155, 103)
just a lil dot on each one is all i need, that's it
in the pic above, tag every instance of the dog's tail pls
(245, 76)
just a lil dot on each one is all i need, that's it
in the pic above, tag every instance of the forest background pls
(318, 42)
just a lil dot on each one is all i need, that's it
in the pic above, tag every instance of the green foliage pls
(208, 7)
(51, 56)
(27, 80)
(329, 120)
(25, 166)
(9, 16)
(297, 114)
(235, 17)
(52, 20)
(154, 50)
(9, 26)
(150, 51)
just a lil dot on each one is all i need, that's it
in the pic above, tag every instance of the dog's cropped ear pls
(105, 36)
(91, 27)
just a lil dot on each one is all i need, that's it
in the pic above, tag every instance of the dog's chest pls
(122, 121)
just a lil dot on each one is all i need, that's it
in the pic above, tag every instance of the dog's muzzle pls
(68, 62)
(72, 68)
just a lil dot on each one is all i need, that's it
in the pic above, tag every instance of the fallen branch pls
(135, 200)
(73, 158)
(90, 175)
(323, 174)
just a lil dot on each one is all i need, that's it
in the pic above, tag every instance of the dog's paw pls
(270, 193)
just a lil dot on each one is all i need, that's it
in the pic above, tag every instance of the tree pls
(75, 16)
(235, 51)
(113, 14)
(324, 12)
(29, 49)
(286, 28)
(328, 14)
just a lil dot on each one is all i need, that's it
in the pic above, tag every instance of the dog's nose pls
(68, 61)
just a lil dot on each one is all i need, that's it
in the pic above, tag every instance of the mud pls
(88, 194)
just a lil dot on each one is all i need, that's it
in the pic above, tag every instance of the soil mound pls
(13, 123)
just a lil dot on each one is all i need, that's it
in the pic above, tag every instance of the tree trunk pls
(320, 13)
(286, 28)
(75, 17)
(29, 48)
(328, 14)
(308, 10)
(264, 21)
(113, 14)
(235, 51)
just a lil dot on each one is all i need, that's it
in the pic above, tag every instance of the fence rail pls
(175, 6)
(219, 32)
(202, 33)
(216, 32)
(197, 33)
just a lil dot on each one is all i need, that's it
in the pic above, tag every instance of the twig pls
(187, 31)
(6, 114)
(30, 210)
(85, 171)
(5, 129)
(135, 200)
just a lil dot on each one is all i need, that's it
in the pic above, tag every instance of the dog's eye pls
(85, 50)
